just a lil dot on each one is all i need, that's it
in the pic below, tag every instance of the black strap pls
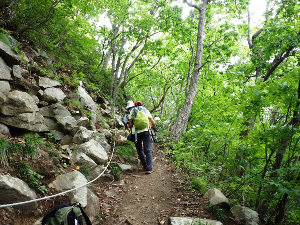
(86, 218)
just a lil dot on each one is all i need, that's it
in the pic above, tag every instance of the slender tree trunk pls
(182, 119)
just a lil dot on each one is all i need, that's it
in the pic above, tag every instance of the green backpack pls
(140, 118)
(66, 214)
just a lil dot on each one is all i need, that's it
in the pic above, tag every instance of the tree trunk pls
(182, 119)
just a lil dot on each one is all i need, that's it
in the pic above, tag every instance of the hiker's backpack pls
(66, 214)
(140, 118)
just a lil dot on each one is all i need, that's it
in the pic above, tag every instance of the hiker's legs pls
(147, 149)
(139, 149)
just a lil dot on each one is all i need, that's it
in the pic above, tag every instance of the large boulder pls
(27, 121)
(52, 95)
(8, 55)
(4, 70)
(58, 110)
(63, 117)
(4, 87)
(18, 102)
(245, 215)
(88, 102)
(69, 181)
(216, 197)
(46, 82)
(103, 143)
(93, 150)
(93, 207)
(83, 135)
(13, 190)
(82, 160)
(191, 221)
(19, 74)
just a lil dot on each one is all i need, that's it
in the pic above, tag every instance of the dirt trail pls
(151, 198)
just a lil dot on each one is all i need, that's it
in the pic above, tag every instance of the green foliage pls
(32, 178)
(126, 151)
(33, 143)
(199, 184)
(116, 171)
(85, 171)
(218, 213)
(4, 150)
(51, 137)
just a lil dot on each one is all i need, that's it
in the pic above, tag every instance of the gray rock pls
(28, 121)
(191, 221)
(67, 123)
(245, 215)
(83, 135)
(4, 131)
(84, 122)
(45, 82)
(18, 102)
(66, 140)
(15, 190)
(89, 103)
(216, 197)
(108, 134)
(127, 168)
(4, 70)
(53, 95)
(93, 207)
(8, 55)
(95, 172)
(103, 143)
(2, 99)
(81, 159)
(57, 134)
(51, 124)
(19, 74)
(58, 110)
(93, 150)
(45, 111)
(71, 180)
(4, 87)
(112, 192)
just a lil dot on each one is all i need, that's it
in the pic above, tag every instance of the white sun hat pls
(129, 104)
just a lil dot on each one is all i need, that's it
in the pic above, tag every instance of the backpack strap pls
(86, 218)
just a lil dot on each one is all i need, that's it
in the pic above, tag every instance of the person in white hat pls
(129, 107)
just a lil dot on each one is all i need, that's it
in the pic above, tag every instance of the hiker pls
(139, 118)
(129, 107)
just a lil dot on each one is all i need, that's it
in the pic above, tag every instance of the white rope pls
(73, 189)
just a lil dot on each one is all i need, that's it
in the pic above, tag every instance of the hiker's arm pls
(130, 123)
(152, 122)
(126, 127)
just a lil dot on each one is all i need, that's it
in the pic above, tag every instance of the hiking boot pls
(149, 172)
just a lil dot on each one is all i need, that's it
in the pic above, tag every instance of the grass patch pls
(33, 143)
(85, 171)
(199, 184)
(218, 213)
(32, 178)
(116, 171)
(126, 151)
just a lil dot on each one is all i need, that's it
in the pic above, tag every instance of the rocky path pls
(141, 198)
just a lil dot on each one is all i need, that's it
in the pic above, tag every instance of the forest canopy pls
(225, 81)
